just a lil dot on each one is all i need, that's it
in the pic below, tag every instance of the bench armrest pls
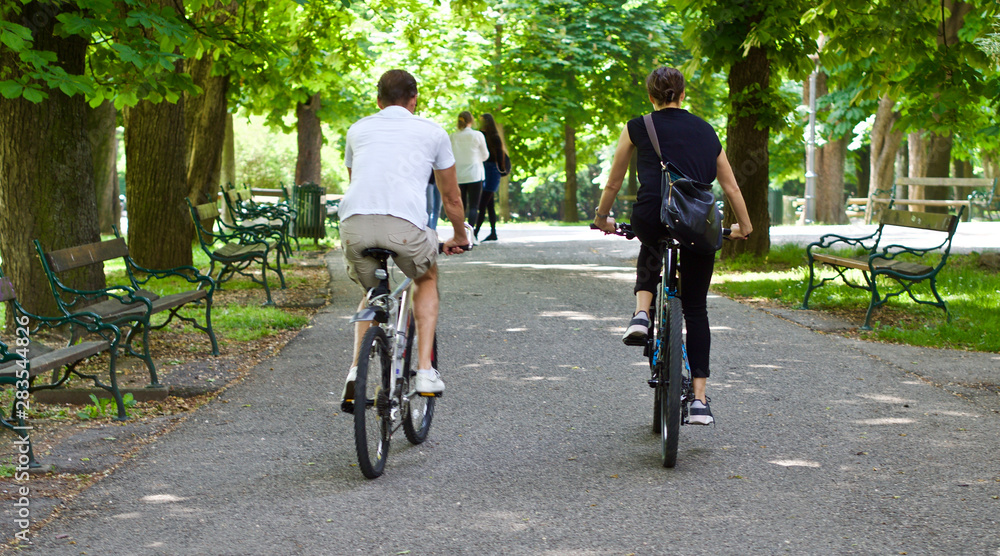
(189, 273)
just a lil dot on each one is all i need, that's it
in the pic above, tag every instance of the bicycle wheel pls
(419, 412)
(372, 425)
(671, 366)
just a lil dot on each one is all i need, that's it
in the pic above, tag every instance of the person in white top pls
(470, 151)
(390, 156)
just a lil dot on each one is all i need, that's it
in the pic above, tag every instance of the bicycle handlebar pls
(625, 230)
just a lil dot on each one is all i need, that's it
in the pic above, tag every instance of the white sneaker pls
(429, 382)
(347, 398)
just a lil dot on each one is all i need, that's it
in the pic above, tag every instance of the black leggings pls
(696, 276)
(486, 204)
(470, 200)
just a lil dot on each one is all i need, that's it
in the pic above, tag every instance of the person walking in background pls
(470, 151)
(494, 167)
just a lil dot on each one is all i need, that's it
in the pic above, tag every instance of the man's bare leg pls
(425, 311)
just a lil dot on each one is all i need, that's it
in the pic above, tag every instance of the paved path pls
(542, 443)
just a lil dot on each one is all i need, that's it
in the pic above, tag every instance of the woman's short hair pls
(396, 87)
(464, 119)
(665, 85)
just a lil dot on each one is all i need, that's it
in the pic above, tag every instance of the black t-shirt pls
(686, 140)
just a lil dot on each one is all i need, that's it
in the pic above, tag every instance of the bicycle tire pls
(372, 425)
(671, 390)
(654, 329)
(419, 411)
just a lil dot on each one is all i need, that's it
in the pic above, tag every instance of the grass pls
(971, 291)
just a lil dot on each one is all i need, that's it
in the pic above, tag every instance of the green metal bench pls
(130, 304)
(987, 200)
(882, 260)
(25, 358)
(277, 222)
(235, 249)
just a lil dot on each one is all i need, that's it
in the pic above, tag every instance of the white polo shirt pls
(469, 146)
(391, 155)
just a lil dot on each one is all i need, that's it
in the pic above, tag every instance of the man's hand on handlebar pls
(459, 243)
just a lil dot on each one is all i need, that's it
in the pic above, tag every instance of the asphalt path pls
(542, 443)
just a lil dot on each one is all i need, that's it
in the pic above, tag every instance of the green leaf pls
(10, 89)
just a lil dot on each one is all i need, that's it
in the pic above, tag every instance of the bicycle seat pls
(378, 253)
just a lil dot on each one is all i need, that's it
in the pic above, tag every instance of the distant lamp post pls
(809, 209)
(810, 206)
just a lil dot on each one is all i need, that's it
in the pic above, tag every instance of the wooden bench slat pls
(921, 220)
(83, 255)
(57, 358)
(945, 182)
(849, 262)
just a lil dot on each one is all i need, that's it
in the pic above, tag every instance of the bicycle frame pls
(670, 287)
(389, 310)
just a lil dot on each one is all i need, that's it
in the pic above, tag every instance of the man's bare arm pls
(451, 200)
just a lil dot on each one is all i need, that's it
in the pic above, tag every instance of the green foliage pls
(104, 407)
(240, 323)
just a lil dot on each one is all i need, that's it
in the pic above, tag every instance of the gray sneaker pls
(700, 413)
(429, 382)
(637, 331)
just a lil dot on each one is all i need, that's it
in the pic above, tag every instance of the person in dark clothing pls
(498, 148)
(693, 146)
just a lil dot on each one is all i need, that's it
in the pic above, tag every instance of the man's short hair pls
(396, 87)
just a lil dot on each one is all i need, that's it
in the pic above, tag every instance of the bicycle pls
(385, 396)
(670, 372)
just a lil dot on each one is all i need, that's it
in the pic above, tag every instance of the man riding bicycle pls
(389, 157)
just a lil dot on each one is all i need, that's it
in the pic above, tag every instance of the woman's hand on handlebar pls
(737, 233)
(605, 224)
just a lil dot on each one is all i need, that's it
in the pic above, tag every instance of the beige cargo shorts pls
(416, 249)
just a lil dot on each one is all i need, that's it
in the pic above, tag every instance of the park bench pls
(881, 198)
(275, 221)
(986, 200)
(130, 304)
(883, 258)
(235, 249)
(24, 358)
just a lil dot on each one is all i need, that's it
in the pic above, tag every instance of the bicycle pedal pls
(431, 394)
(347, 406)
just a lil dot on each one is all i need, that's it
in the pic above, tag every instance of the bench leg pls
(873, 304)
(146, 358)
(810, 287)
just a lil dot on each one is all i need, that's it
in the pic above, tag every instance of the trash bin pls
(775, 208)
(310, 205)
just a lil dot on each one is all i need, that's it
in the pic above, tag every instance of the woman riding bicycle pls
(691, 144)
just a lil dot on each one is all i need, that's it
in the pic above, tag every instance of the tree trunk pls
(310, 136)
(228, 172)
(746, 146)
(103, 144)
(569, 199)
(863, 171)
(938, 166)
(885, 139)
(205, 126)
(46, 173)
(503, 195)
(830, 200)
(916, 150)
(156, 185)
